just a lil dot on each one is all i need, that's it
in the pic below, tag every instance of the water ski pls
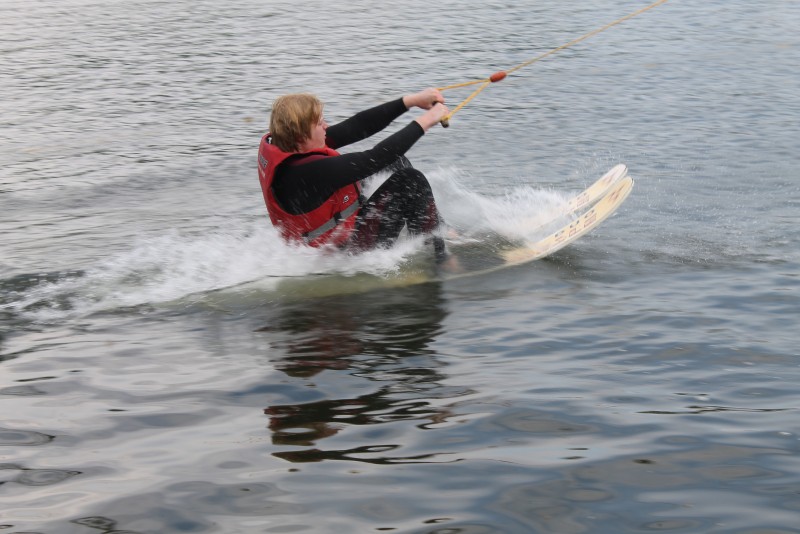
(612, 190)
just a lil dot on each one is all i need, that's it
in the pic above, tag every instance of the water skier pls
(313, 193)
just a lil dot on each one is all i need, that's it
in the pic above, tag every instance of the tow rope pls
(501, 74)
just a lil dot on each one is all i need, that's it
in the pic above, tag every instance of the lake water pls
(167, 365)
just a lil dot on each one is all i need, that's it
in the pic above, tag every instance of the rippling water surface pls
(167, 365)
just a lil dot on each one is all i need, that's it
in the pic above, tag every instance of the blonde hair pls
(293, 116)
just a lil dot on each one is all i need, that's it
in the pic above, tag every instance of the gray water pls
(167, 365)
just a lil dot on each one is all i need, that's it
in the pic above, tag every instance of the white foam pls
(175, 265)
(517, 213)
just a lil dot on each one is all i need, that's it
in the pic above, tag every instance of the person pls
(313, 193)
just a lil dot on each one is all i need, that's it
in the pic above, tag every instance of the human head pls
(293, 116)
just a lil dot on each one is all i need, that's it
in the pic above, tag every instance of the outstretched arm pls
(371, 121)
(364, 124)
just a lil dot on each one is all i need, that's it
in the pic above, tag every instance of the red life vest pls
(331, 223)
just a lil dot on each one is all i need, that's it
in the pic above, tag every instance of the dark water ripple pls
(35, 477)
(10, 437)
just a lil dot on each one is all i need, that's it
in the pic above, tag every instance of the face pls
(317, 138)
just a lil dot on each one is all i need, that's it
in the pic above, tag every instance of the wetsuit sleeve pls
(303, 187)
(364, 124)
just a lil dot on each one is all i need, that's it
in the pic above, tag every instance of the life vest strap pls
(331, 223)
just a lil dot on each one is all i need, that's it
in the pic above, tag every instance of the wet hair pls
(292, 119)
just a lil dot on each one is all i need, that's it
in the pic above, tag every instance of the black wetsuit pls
(404, 199)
